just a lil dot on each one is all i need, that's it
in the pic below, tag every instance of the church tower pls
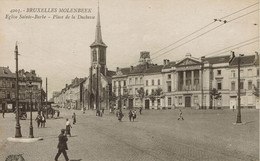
(98, 50)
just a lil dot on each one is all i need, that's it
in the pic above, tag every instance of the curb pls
(24, 140)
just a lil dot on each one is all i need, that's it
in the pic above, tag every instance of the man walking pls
(74, 118)
(3, 110)
(180, 116)
(62, 146)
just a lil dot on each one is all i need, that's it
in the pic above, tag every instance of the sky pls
(59, 48)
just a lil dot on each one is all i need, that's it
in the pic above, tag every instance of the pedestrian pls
(58, 113)
(74, 118)
(130, 115)
(68, 126)
(43, 121)
(233, 107)
(62, 146)
(120, 115)
(3, 110)
(134, 115)
(140, 110)
(180, 116)
(38, 119)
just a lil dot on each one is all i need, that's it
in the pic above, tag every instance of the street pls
(156, 135)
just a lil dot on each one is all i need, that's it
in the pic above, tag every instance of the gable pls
(188, 61)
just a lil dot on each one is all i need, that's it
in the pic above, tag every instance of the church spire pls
(98, 37)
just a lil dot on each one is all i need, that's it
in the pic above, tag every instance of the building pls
(189, 82)
(8, 89)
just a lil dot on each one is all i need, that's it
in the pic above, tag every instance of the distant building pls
(189, 82)
(8, 90)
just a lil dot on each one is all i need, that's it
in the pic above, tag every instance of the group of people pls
(132, 115)
(40, 119)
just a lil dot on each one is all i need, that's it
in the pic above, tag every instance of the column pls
(176, 81)
(184, 80)
(192, 80)
(200, 87)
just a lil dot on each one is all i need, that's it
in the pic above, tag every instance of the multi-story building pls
(7, 89)
(190, 82)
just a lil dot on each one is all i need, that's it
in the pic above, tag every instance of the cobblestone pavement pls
(157, 135)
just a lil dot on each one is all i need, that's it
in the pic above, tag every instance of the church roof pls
(98, 38)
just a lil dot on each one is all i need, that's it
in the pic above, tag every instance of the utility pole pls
(238, 94)
(18, 133)
(46, 97)
(97, 91)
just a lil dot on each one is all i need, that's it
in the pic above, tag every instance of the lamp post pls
(18, 133)
(31, 126)
(238, 97)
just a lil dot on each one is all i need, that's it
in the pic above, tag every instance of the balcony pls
(189, 88)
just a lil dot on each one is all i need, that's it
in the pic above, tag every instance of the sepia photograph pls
(132, 80)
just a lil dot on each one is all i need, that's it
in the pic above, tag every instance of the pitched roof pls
(217, 59)
(169, 65)
(245, 60)
(6, 72)
(154, 69)
(111, 73)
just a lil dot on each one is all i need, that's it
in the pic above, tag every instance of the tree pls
(256, 91)
(215, 95)
(125, 95)
(156, 94)
(141, 95)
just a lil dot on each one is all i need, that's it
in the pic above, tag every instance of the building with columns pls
(189, 82)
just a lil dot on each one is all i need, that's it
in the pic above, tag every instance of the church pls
(98, 84)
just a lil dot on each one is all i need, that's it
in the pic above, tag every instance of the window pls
(152, 91)
(219, 85)
(141, 80)
(158, 102)
(136, 79)
(180, 100)
(1, 83)
(249, 85)
(130, 80)
(8, 95)
(147, 83)
(169, 87)
(241, 85)
(136, 89)
(169, 76)
(169, 101)
(159, 83)
(233, 86)
(152, 82)
(124, 83)
(146, 92)
(219, 72)
(250, 72)
(258, 84)
(233, 74)
(152, 102)
(114, 83)
(258, 72)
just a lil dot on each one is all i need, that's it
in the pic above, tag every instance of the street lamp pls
(238, 99)
(31, 126)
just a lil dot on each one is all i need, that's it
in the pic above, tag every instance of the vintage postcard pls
(132, 80)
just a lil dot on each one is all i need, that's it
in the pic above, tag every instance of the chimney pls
(168, 61)
(33, 72)
(232, 56)
(117, 69)
(164, 61)
(131, 68)
(66, 86)
(256, 56)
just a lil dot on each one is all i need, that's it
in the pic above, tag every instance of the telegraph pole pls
(97, 91)
(238, 97)
(46, 97)
(18, 133)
